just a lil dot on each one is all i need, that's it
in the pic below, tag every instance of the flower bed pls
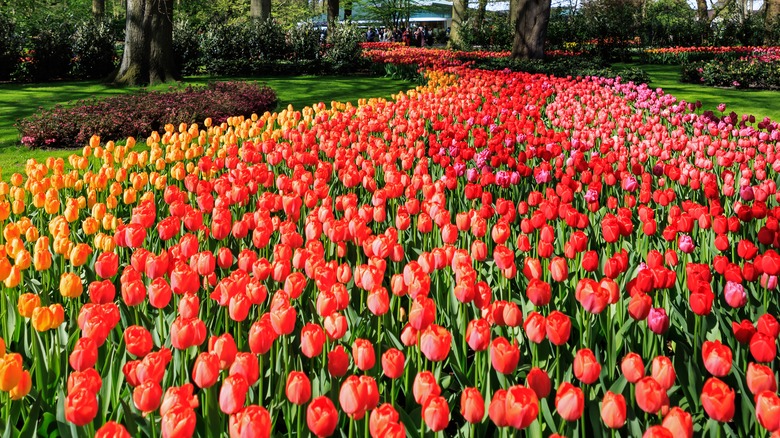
(679, 55)
(141, 113)
(759, 70)
(490, 252)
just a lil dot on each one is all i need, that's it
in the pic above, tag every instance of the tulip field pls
(491, 254)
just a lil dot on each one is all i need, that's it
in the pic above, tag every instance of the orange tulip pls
(70, 285)
(27, 304)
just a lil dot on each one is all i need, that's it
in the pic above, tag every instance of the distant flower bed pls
(139, 114)
(679, 55)
(758, 70)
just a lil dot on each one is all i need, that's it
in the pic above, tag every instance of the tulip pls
(650, 395)
(504, 356)
(613, 410)
(393, 363)
(232, 395)
(522, 407)
(717, 399)
(586, 367)
(178, 396)
(352, 398)
(381, 419)
(436, 413)
(70, 285)
(558, 328)
(569, 402)
(663, 372)
(632, 367)
(224, 347)
(435, 343)
(88, 379)
(716, 357)
(322, 417)
(206, 370)
(472, 405)
(27, 303)
(147, 396)
(679, 423)
(246, 365)
(312, 340)
(497, 409)
(658, 321)
(252, 421)
(22, 388)
(112, 429)
(425, 387)
(81, 407)
(338, 361)
(84, 355)
(298, 388)
(363, 354)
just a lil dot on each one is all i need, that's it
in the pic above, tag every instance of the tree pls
(333, 13)
(260, 9)
(391, 13)
(460, 10)
(531, 19)
(148, 53)
(771, 20)
(98, 8)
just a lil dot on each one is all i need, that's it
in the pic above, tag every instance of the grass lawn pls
(758, 103)
(21, 100)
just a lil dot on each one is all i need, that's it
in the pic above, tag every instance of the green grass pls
(758, 103)
(21, 100)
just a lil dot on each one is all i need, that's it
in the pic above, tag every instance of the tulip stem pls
(262, 377)
(151, 424)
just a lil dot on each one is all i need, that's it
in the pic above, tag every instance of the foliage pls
(344, 51)
(49, 50)
(613, 23)
(10, 47)
(670, 23)
(494, 33)
(390, 13)
(304, 41)
(735, 29)
(290, 13)
(755, 72)
(139, 114)
(94, 53)
(566, 28)
(268, 40)
(187, 46)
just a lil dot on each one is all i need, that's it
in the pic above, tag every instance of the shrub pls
(50, 51)
(565, 66)
(267, 40)
(186, 46)
(304, 40)
(93, 50)
(494, 34)
(344, 52)
(227, 49)
(139, 114)
(757, 71)
(10, 47)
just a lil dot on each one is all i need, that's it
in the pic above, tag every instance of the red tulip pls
(497, 409)
(81, 407)
(586, 367)
(312, 340)
(632, 367)
(363, 354)
(522, 407)
(138, 341)
(84, 355)
(569, 402)
(663, 372)
(679, 423)
(393, 363)
(178, 396)
(472, 405)
(716, 357)
(504, 356)
(613, 410)
(232, 394)
(650, 395)
(225, 348)
(478, 334)
(179, 421)
(717, 399)
(436, 413)
(206, 370)
(112, 429)
(247, 366)
(252, 421)
(322, 417)
(538, 380)
(425, 387)
(298, 388)
(760, 378)
(435, 343)
(352, 398)
(558, 328)
(147, 396)
(338, 361)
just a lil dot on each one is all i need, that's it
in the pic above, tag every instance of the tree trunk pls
(254, 9)
(333, 13)
(460, 9)
(347, 10)
(481, 12)
(98, 8)
(531, 21)
(771, 20)
(512, 13)
(148, 54)
(701, 9)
